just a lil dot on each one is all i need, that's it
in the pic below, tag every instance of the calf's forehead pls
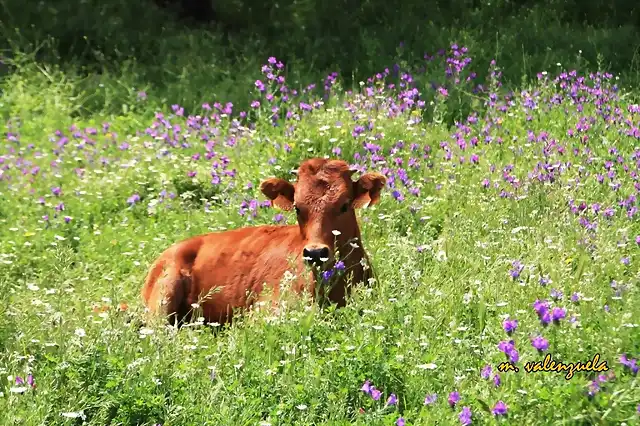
(323, 182)
(321, 191)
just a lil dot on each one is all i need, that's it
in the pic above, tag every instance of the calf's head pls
(324, 198)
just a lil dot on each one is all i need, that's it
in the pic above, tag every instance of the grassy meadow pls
(509, 229)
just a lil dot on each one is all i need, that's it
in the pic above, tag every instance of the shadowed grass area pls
(113, 50)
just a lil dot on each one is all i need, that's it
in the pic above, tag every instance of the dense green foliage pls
(119, 46)
(512, 195)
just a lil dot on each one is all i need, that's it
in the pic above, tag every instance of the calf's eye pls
(297, 210)
(344, 208)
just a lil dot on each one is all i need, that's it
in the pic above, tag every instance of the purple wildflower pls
(556, 294)
(392, 400)
(510, 326)
(133, 199)
(557, 314)
(453, 399)
(430, 399)
(516, 269)
(506, 346)
(486, 372)
(540, 343)
(397, 195)
(545, 318)
(631, 364)
(540, 306)
(465, 416)
(509, 349)
(624, 360)
(496, 380)
(375, 393)
(500, 409)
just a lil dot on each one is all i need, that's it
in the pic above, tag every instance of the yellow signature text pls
(507, 366)
(549, 365)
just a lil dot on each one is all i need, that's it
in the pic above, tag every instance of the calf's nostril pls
(316, 255)
(324, 254)
(309, 253)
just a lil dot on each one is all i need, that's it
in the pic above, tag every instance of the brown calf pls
(231, 268)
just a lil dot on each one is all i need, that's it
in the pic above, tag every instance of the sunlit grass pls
(530, 197)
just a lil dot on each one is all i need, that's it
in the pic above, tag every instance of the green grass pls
(443, 257)
(111, 50)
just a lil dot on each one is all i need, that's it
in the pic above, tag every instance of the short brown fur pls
(237, 263)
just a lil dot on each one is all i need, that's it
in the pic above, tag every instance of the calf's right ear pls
(367, 189)
(279, 191)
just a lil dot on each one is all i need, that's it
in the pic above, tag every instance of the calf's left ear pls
(367, 189)
(279, 191)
